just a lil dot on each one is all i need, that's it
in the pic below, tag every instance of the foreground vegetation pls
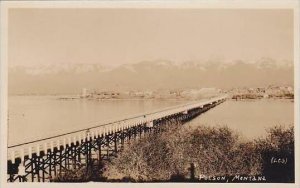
(183, 153)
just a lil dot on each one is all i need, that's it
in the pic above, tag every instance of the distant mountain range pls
(148, 75)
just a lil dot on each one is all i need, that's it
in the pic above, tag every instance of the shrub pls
(279, 144)
(212, 151)
(181, 153)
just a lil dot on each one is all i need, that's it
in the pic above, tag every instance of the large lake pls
(36, 117)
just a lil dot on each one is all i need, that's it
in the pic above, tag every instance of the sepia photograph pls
(145, 93)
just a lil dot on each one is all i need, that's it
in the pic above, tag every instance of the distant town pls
(271, 92)
(277, 92)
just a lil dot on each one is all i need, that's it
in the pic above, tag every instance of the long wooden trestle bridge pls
(41, 160)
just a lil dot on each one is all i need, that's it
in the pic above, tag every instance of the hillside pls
(147, 75)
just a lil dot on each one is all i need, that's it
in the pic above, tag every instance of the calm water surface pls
(36, 117)
(250, 118)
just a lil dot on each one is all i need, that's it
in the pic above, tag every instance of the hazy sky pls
(117, 36)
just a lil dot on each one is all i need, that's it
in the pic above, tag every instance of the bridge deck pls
(27, 149)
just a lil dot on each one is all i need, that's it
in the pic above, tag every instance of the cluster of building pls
(279, 92)
(156, 94)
